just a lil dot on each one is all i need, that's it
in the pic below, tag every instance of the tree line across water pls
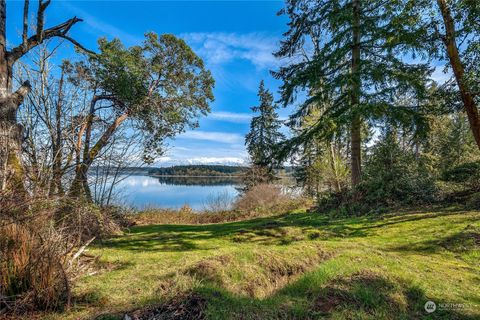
(199, 170)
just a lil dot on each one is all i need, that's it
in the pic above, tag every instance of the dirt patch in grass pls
(189, 306)
(283, 266)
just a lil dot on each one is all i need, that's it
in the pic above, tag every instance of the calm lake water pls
(174, 192)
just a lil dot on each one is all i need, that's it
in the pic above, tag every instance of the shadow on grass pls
(466, 240)
(363, 295)
(268, 230)
(183, 237)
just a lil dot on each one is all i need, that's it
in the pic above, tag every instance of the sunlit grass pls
(299, 265)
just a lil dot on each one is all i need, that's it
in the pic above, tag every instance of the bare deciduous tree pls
(11, 169)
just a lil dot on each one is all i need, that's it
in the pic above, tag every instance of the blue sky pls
(235, 38)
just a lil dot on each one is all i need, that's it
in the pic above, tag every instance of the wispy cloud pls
(220, 47)
(101, 28)
(231, 116)
(223, 137)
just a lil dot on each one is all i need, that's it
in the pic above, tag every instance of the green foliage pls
(161, 85)
(467, 173)
(257, 175)
(321, 167)
(473, 202)
(394, 175)
(389, 89)
(450, 143)
(466, 16)
(264, 131)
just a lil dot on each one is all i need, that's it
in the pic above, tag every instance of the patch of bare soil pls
(183, 307)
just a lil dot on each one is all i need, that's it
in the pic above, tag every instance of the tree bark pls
(333, 166)
(57, 145)
(80, 187)
(11, 170)
(355, 129)
(459, 70)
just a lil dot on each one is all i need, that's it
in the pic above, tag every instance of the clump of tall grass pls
(41, 247)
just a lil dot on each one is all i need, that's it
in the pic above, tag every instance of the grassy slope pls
(298, 265)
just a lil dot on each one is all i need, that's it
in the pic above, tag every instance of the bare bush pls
(85, 220)
(219, 202)
(259, 197)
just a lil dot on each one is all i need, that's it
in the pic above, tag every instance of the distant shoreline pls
(190, 176)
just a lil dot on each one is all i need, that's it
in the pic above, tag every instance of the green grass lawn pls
(294, 266)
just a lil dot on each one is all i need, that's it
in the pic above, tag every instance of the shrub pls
(86, 220)
(467, 174)
(33, 272)
(261, 200)
(262, 196)
(268, 199)
(473, 201)
(392, 176)
(218, 203)
(41, 243)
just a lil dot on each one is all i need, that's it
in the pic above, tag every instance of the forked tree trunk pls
(80, 187)
(459, 70)
(356, 125)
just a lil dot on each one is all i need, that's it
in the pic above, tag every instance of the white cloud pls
(223, 137)
(231, 116)
(220, 47)
(205, 160)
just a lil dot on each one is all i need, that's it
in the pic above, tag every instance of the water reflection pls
(174, 192)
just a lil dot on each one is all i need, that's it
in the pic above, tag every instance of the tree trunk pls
(459, 70)
(333, 166)
(355, 129)
(57, 145)
(80, 187)
(11, 169)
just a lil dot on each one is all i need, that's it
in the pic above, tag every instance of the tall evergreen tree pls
(264, 132)
(351, 52)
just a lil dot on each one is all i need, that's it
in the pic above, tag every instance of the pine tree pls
(352, 53)
(264, 132)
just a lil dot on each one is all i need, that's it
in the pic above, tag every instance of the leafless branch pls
(25, 23)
